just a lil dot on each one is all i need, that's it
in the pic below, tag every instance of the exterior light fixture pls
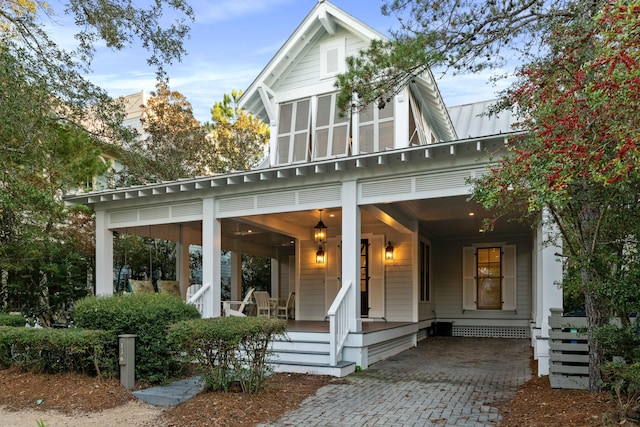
(320, 255)
(320, 231)
(388, 252)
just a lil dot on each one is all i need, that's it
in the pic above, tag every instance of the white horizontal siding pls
(305, 71)
(311, 294)
(399, 280)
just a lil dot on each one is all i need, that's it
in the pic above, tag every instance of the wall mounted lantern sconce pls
(320, 231)
(388, 252)
(320, 256)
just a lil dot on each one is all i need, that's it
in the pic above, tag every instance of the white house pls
(404, 246)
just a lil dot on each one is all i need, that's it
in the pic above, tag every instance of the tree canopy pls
(579, 159)
(239, 139)
(53, 124)
(172, 144)
(459, 35)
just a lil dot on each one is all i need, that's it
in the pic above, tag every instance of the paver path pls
(445, 381)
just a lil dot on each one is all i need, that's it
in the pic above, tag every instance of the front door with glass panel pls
(364, 278)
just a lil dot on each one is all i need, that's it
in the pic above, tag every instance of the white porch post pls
(211, 249)
(351, 250)
(236, 274)
(183, 274)
(275, 277)
(273, 143)
(104, 255)
(548, 272)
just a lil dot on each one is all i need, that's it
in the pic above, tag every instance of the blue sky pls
(232, 41)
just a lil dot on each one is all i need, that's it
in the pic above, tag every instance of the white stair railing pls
(339, 324)
(195, 296)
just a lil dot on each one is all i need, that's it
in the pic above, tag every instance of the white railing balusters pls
(197, 297)
(339, 324)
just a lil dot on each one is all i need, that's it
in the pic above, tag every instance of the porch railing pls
(339, 324)
(195, 295)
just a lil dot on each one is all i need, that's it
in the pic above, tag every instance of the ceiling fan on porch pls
(248, 231)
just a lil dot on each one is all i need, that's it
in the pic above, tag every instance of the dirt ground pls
(74, 400)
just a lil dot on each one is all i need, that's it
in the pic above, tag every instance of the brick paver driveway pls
(445, 381)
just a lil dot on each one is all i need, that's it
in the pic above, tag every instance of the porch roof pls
(422, 153)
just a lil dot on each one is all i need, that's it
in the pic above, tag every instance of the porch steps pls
(306, 352)
(341, 369)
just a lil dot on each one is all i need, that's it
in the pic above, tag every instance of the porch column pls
(183, 273)
(275, 276)
(211, 251)
(351, 250)
(104, 255)
(236, 273)
(548, 274)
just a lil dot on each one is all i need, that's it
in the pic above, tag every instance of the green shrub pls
(58, 350)
(146, 315)
(623, 381)
(228, 349)
(12, 319)
(619, 341)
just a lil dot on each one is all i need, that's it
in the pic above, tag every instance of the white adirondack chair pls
(228, 306)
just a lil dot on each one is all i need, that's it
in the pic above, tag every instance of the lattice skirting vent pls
(490, 331)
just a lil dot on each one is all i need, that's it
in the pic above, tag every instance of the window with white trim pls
(331, 136)
(293, 131)
(489, 277)
(376, 128)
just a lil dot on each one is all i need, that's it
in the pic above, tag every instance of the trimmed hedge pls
(228, 349)
(58, 350)
(12, 319)
(147, 315)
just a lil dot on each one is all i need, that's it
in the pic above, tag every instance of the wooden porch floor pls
(320, 326)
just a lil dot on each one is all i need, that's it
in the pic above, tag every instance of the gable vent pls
(332, 59)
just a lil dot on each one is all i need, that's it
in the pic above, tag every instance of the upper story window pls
(293, 131)
(331, 135)
(312, 129)
(376, 131)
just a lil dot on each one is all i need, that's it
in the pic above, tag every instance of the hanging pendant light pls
(320, 231)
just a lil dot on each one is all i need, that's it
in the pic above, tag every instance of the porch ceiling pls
(447, 217)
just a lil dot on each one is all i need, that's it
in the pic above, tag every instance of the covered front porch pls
(414, 200)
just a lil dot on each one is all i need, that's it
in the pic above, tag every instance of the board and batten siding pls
(306, 71)
(399, 280)
(447, 276)
(311, 296)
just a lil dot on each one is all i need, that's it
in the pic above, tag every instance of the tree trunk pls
(596, 316)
